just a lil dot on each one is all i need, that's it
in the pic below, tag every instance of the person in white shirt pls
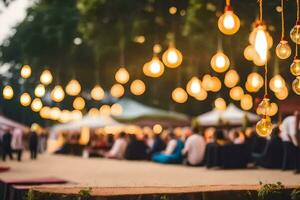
(119, 147)
(194, 148)
(289, 134)
(171, 145)
(17, 142)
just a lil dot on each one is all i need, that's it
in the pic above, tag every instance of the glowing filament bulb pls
(261, 43)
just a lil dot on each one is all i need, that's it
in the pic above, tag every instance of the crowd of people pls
(13, 141)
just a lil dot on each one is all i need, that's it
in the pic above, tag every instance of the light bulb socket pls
(266, 96)
(259, 23)
(296, 57)
(284, 40)
(298, 22)
(228, 8)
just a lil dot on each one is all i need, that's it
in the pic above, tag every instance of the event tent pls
(5, 122)
(232, 116)
(142, 115)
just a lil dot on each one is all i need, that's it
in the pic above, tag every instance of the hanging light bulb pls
(228, 23)
(79, 103)
(277, 83)
(216, 84)
(274, 109)
(220, 104)
(117, 90)
(105, 110)
(94, 112)
(282, 94)
(55, 113)
(220, 62)
(255, 81)
(201, 96)
(122, 75)
(97, 93)
(25, 99)
(264, 127)
(295, 33)
(116, 109)
(249, 52)
(207, 83)
(231, 78)
(193, 87)
(36, 105)
(261, 42)
(246, 102)
(46, 77)
(179, 95)
(155, 68)
(26, 71)
(73, 88)
(57, 94)
(76, 115)
(296, 85)
(8, 92)
(39, 90)
(264, 107)
(137, 87)
(172, 57)
(283, 49)
(45, 112)
(295, 67)
(65, 116)
(236, 93)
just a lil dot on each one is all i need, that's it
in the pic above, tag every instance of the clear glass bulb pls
(296, 85)
(194, 86)
(295, 33)
(172, 57)
(283, 50)
(220, 62)
(295, 67)
(265, 106)
(46, 77)
(261, 43)
(264, 127)
(229, 23)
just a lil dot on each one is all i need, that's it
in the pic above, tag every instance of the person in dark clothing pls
(158, 145)
(272, 155)
(33, 144)
(6, 145)
(136, 149)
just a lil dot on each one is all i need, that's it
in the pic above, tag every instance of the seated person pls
(272, 155)
(194, 148)
(97, 143)
(236, 137)
(136, 149)
(172, 153)
(119, 147)
(158, 145)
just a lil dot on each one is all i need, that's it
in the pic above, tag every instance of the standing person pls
(194, 148)
(17, 142)
(290, 129)
(33, 144)
(6, 144)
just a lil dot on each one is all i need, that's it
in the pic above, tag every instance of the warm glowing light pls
(155, 68)
(45, 112)
(157, 128)
(8, 92)
(264, 107)
(264, 127)
(277, 83)
(261, 43)
(26, 71)
(295, 33)
(39, 90)
(105, 110)
(207, 83)
(55, 113)
(296, 85)
(76, 115)
(79, 103)
(220, 104)
(179, 95)
(94, 112)
(255, 81)
(295, 67)
(231, 78)
(220, 62)
(246, 102)
(274, 109)
(172, 57)
(97, 93)
(36, 105)
(117, 90)
(73, 88)
(236, 93)
(46, 77)
(283, 49)
(122, 75)
(172, 10)
(65, 116)
(57, 94)
(249, 52)
(137, 87)
(116, 109)
(201, 96)
(282, 94)
(25, 99)
(229, 23)
(216, 84)
(193, 87)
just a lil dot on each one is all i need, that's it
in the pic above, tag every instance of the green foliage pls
(271, 192)
(295, 195)
(85, 194)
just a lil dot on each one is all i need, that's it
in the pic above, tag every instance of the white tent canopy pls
(134, 110)
(231, 116)
(5, 122)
